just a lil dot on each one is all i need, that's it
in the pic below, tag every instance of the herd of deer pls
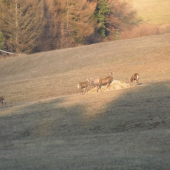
(95, 83)
(104, 81)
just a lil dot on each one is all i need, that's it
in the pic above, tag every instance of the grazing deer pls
(134, 77)
(84, 85)
(106, 81)
(2, 100)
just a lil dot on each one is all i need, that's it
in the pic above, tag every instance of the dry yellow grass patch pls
(56, 73)
(153, 11)
(46, 114)
(115, 85)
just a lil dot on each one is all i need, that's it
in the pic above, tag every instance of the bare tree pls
(22, 23)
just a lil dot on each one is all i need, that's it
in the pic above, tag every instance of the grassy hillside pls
(56, 73)
(48, 125)
(153, 11)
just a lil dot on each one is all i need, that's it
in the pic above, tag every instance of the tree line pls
(40, 25)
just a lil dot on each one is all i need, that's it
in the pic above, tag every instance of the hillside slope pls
(48, 125)
(153, 11)
(56, 73)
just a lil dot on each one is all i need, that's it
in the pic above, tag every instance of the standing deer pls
(84, 85)
(106, 80)
(134, 77)
(2, 100)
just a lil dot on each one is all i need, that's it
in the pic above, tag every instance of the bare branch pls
(7, 52)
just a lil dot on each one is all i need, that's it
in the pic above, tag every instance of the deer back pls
(84, 84)
(107, 79)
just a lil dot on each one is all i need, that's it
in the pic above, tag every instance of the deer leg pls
(86, 90)
(4, 104)
(108, 86)
(98, 87)
(138, 82)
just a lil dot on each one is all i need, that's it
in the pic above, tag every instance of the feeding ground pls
(47, 124)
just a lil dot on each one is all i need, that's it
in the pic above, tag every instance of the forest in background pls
(43, 25)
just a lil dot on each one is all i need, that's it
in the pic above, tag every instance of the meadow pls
(153, 19)
(153, 11)
(47, 124)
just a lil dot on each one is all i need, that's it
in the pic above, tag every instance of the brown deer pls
(134, 77)
(2, 100)
(84, 85)
(106, 81)
(95, 83)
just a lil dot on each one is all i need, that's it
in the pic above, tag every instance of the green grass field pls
(153, 11)
(48, 125)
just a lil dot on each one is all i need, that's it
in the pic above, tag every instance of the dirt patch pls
(115, 85)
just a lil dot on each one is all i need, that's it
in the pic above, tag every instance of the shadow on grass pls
(136, 109)
(42, 119)
(124, 134)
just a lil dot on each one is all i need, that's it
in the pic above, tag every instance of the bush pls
(2, 41)
(144, 30)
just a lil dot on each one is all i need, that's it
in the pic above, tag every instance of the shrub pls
(2, 41)
(144, 30)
